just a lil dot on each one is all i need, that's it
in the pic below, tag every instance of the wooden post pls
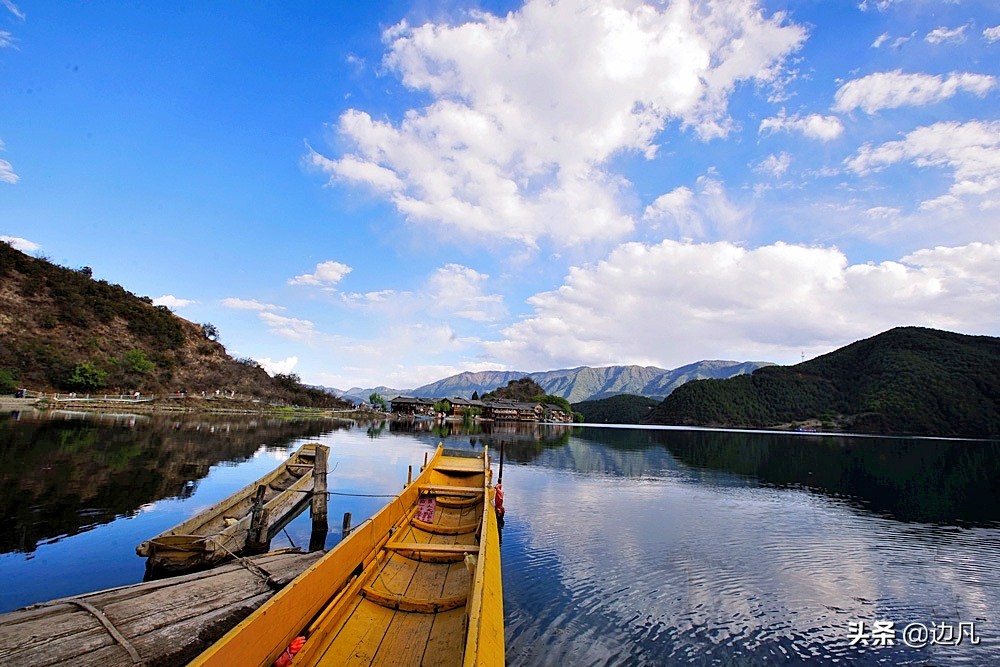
(409, 475)
(319, 495)
(257, 534)
(425, 462)
(500, 473)
(320, 500)
(347, 524)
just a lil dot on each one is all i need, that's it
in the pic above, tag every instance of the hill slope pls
(620, 409)
(906, 381)
(63, 331)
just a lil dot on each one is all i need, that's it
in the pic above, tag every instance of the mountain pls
(361, 394)
(905, 381)
(585, 383)
(64, 331)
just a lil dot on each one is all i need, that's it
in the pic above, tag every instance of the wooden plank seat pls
(444, 490)
(430, 547)
(437, 529)
(417, 605)
(458, 502)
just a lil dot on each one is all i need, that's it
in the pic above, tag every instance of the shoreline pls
(189, 405)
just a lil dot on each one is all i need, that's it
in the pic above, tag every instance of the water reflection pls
(621, 546)
(619, 549)
(65, 472)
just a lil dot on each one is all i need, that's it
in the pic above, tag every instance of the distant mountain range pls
(574, 384)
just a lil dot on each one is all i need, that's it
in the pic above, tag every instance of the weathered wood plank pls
(359, 639)
(168, 621)
(446, 641)
(404, 640)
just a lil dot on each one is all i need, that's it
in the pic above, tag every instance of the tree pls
(444, 405)
(288, 380)
(87, 377)
(376, 399)
(210, 331)
(475, 395)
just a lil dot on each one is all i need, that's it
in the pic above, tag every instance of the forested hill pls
(63, 331)
(620, 409)
(906, 381)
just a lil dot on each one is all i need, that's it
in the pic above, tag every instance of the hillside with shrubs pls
(63, 331)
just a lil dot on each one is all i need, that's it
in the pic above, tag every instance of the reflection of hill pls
(63, 473)
(909, 480)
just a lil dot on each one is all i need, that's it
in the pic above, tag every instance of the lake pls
(621, 546)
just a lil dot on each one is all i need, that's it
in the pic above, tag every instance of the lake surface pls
(621, 546)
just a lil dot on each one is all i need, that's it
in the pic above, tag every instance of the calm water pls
(621, 546)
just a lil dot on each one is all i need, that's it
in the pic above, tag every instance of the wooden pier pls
(157, 623)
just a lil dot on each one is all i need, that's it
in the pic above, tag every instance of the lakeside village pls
(408, 407)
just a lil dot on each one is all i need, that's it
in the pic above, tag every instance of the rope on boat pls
(362, 495)
(109, 626)
(252, 567)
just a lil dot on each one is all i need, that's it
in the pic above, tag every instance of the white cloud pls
(879, 5)
(404, 355)
(13, 9)
(24, 245)
(899, 41)
(282, 366)
(883, 213)
(327, 274)
(289, 327)
(774, 165)
(7, 174)
(942, 35)
(248, 304)
(450, 291)
(172, 302)
(992, 34)
(880, 40)
(6, 39)
(378, 296)
(970, 150)
(889, 90)
(708, 213)
(458, 290)
(522, 152)
(814, 126)
(672, 303)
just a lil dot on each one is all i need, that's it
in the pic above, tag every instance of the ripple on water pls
(699, 576)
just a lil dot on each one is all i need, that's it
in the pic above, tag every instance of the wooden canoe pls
(221, 531)
(417, 584)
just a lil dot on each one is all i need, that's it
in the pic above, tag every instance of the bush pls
(87, 377)
(8, 381)
(135, 361)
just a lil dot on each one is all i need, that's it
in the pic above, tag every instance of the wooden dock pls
(162, 623)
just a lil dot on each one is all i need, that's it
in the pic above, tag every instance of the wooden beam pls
(444, 490)
(436, 529)
(430, 547)
(418, 605)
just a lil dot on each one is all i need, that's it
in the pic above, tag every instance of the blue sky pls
(390, 194)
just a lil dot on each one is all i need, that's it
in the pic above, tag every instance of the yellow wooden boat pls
(220, 531)
(417, 584)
